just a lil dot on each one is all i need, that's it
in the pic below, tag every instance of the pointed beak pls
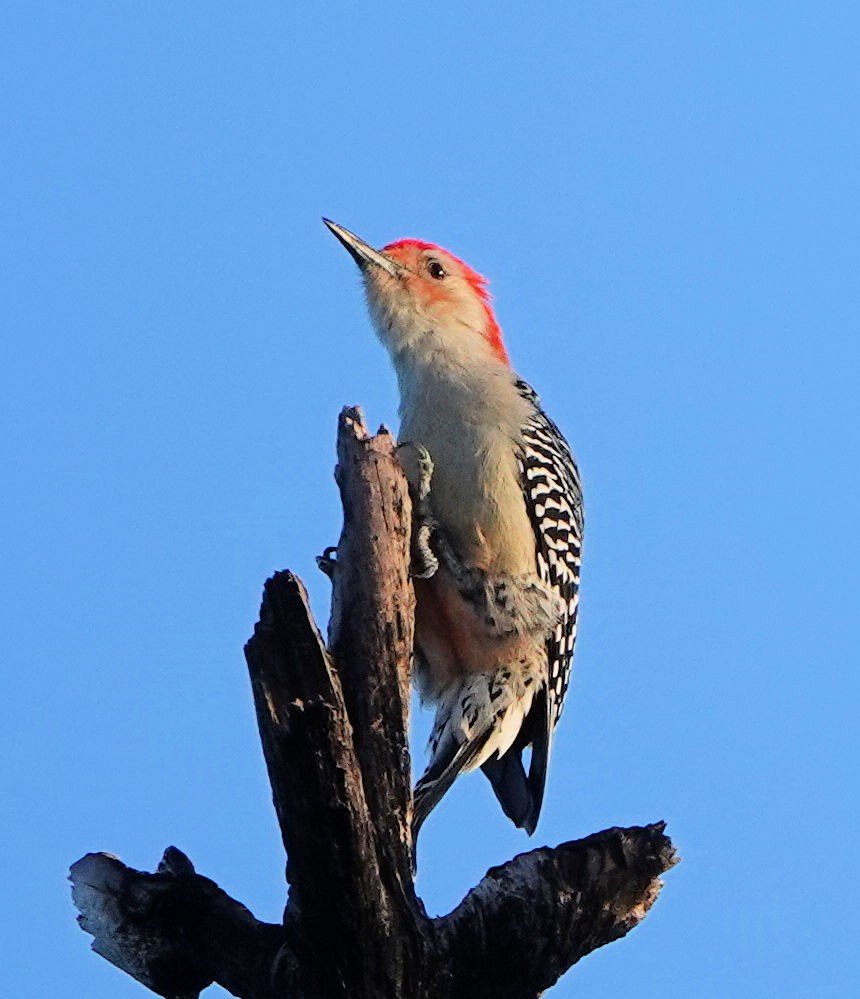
(363, 254)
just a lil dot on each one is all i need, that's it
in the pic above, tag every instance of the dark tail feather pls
(438, 777)
(541, 733)
(521, 797)
(511, 786)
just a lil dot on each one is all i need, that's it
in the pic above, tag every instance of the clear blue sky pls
(665, 197)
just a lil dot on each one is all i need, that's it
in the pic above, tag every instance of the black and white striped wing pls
(553, 494)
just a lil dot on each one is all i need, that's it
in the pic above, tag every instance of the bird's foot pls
(327, 563)
(423, 562)
(416, 462)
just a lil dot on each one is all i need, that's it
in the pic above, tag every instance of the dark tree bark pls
(333, 724)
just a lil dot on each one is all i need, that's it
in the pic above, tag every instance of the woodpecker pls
(499, 501)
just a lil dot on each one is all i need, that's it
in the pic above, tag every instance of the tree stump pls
(333, 723)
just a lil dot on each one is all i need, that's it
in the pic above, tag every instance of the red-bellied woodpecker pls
(497, 577)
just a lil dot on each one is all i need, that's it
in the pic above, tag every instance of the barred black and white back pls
(553, 495)
(553, 492)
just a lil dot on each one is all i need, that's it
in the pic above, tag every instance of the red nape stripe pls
(477, 281)
(494, 333)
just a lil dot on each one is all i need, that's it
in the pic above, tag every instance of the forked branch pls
(333, 725)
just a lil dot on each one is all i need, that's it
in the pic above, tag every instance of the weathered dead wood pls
(318, 790)
(532, 918)
(175, 931)
(370, 637)
(333, 728)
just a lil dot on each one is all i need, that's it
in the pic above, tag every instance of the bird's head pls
(422, 297)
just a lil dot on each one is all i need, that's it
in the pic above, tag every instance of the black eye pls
(436, 270)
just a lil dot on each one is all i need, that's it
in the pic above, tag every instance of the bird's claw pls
(423, 561)
(416, 462)
(326, 563)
